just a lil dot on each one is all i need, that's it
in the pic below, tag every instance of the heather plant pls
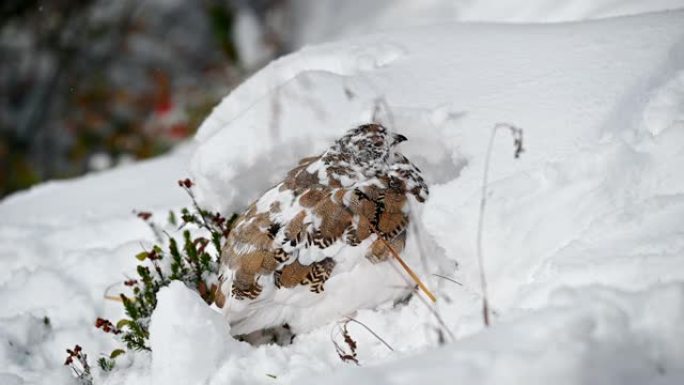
(191, 257)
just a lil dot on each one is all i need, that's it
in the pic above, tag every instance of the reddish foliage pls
(73, 353)
(153, 256)
(106, 326)
(187, 183)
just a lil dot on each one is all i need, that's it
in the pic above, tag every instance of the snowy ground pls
(324, 20)
(584, 234)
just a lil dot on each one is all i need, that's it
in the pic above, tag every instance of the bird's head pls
(370, 143)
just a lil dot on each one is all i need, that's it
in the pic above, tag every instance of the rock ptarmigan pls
(313, 248)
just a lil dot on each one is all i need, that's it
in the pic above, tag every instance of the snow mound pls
(596, 199)
(589, 336)
(593, 173)
(187, 337)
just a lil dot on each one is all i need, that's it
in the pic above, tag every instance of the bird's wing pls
(303, 213)
(294, 230)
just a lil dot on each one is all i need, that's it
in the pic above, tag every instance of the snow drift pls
(584, 234)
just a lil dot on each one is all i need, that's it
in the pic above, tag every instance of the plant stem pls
(517, 143)
(410, 272)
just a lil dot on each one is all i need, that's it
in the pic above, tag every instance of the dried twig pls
(77, 361)
(109, 297)
(186, 184)
(517, 134)
(448, 279)
(371, 332)
(156, 230)
(341, 352)
(409, 271)
(438, 317)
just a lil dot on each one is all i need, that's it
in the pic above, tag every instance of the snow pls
(325, 20)
(583, 240)
(181, 323)
(63, 244)
(589, 336)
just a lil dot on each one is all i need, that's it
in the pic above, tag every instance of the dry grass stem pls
(372, 332)
(448, 279)
(517, 134)
(410, 272)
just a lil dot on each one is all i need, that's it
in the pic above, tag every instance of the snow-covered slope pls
(594, 208)
(62, 244)
(584, 234)
(324, 20)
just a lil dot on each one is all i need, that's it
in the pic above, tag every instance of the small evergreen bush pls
(192, 259)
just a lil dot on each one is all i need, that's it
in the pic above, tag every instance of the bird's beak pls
(398, 138)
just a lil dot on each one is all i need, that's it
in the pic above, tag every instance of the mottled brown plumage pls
(349, 197)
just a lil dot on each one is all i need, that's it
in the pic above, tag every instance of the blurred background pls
(86, 85)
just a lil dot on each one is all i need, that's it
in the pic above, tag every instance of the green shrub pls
(193, 259)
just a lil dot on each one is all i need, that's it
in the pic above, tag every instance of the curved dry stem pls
(517, 134)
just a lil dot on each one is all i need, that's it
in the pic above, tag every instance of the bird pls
(315, 246)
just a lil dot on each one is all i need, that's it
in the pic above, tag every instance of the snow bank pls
(62, 246)
(187, 337)
(583, 240)
(325, 20)
(588, 336)
(595, 200)
(589, 95)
